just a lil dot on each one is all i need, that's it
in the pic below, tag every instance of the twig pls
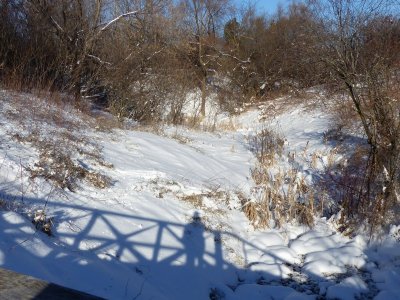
(59, 28)
(98, 59)
(155, 53)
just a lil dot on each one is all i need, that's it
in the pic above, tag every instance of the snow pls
(166, 158)
(348, 289)
(170, 225)
(253, 291)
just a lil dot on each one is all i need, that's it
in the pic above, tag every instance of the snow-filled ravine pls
(170, 224)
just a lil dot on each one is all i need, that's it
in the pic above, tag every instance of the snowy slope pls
(170, 225)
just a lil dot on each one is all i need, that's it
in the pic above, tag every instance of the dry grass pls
(42, 222)
(180, 138)
(98, 180)
(280, 195)
(281, 198)
(250, 209)
(58, 110)
(58, 131)
(210, 123)
(215, 193)
(227, 125)
(193, 122)
(195, 199)
(279, 103)
(267, 145)
(107, 123)
(56, 166)
(28, 110)
(344, 114)
(199, 199)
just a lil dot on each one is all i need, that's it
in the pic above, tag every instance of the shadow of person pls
(193, 242)
(218, 256)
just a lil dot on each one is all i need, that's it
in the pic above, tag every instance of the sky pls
(264, 6)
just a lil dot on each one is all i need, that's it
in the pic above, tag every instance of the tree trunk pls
(203, 96)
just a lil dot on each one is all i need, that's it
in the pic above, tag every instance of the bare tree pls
(75, 27)
(202, 20)
(362, 47)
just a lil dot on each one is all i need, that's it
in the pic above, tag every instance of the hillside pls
(130, 212)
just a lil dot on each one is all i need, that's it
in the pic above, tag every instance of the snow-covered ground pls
(170, 225)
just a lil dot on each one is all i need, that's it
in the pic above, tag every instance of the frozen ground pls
(170, 225)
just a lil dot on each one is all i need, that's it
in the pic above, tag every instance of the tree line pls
(142, 56)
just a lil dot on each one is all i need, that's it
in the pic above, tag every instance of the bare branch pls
(247, 61)
(155, 53)
(98, 59)
(59, 28)
(117, 19)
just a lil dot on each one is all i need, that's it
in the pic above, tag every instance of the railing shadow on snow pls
(181, 254)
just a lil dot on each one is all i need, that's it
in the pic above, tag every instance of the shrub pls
(267, 145)
(280, 196)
